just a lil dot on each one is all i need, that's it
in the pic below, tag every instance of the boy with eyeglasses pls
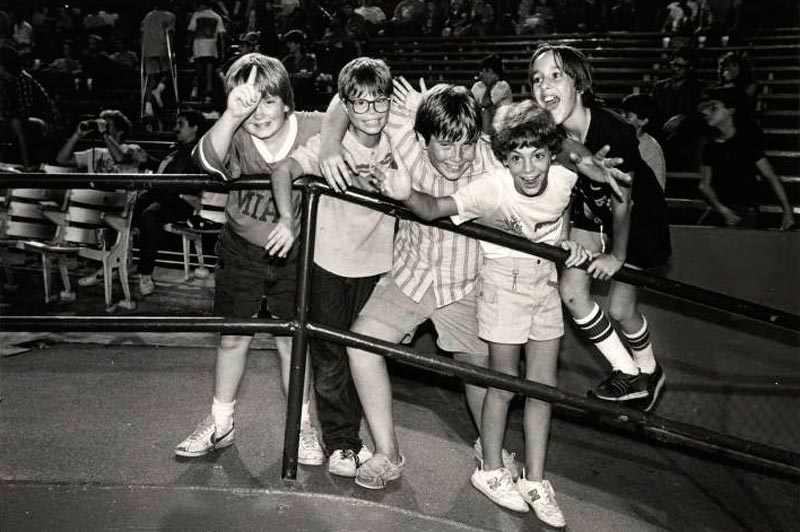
(352, 249)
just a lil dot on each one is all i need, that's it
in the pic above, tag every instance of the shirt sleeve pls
(501, 94)
(307, 156)
(84, 158)
(477, 199)
(207, 159)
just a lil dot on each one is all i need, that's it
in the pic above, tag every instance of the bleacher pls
(623, 62)
(628, 62)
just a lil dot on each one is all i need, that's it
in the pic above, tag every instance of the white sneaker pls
(345, 462)
(204, 440)
(309, 450)
(509, 460)
(498, 486)
(146, 285)
(540, 495)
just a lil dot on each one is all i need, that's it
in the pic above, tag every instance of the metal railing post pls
(294, 399)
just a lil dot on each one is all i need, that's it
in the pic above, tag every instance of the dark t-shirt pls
(649, 240)
(733, 168)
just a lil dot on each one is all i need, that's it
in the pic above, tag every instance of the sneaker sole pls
(629, 397)
(519, 509)
(343, 474)
(311, 462)
(656, 394)
(375, 486)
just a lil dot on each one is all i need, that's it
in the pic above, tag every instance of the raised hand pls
(602, 169)
(394, 183)
(244, 98)
(407, 96)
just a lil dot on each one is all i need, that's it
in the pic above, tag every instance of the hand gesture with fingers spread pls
(407, 96)
(282, 237)
(602, 169)
(244, 98)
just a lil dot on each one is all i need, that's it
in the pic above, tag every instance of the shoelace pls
(201, 432)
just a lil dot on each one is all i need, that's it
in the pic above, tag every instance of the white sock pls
(305, 413)
(598, 329)
(642, 348)
(223, 416)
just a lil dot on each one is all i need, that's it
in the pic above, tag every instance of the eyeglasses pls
(361, 106)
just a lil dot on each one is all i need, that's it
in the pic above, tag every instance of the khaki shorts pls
(518, 300)
(456, 323)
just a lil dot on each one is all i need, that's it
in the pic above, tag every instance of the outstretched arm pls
(282, 237)
(336, 163)
(597, 167)
(396, 184)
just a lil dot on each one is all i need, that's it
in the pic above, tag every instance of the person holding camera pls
(114, 157)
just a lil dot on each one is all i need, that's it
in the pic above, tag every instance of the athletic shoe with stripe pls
(500, 488)
(204, 439)
(622, 387)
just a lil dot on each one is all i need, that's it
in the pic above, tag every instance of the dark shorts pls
(245, 273)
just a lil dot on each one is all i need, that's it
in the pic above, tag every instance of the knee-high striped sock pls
(597, 328)
(642, 348)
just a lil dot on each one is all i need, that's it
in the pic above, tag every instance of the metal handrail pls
(660, 429)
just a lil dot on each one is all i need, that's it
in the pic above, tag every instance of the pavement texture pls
(89, 422)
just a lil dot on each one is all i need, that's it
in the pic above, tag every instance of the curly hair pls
(524, 125)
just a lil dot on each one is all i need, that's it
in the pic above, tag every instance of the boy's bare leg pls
(230, 366)
(475, 394)
(505, 359)
(541, 366)
(371, 379)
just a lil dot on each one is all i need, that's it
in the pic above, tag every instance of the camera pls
(90, 125)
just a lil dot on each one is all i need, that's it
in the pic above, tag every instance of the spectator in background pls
(95, 61)
(677, 98)
(23, 36)
(372, 14)
(28, 115)
(482, 17)
(536, 17)
(407, 18)
(734, 70)
(157, 27)
(68, 62)
(206, 33)
(642, 112)
(731, 161)
(458, 19)
(115, 156)
(301, 66)
(433, 21)
(157, 207)
(491, 90)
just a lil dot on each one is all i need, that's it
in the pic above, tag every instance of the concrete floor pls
(88, 423)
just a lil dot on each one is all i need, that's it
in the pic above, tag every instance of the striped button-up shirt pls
(424, 256)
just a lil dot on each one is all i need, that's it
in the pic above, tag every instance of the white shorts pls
(518, 301)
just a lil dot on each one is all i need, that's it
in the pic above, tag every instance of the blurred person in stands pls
(23, 35)
(114, 157)
(734, 70)
(28, 115)
(642, 113)
(407, 18)
(157, 27)
(433, 21)
(301, 66)
(458, 20)
(677, 98)
(154, 208)
(96, 64)
(491, 90)
(732, 159)
(482, 17)
(206, 33)
(371, 13)
(68, 62)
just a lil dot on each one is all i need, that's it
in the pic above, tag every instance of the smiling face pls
(268, 118)
(553, 89)
(451, 158)
(368, 114)
(529, 167)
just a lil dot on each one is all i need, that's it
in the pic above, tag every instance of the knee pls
(620, 312)
(234, 343)
(499, 395)
(570, 293)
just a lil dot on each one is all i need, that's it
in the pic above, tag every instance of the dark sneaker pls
(655, 383)
(622, 387)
